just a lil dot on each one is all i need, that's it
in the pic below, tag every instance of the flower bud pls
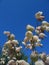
(47, 29)
(18, 49)
(39, 44)
(26, 39)
(29, 34)
(35, 38)
(7, 33)
(42, 35)
(43, 56)
(15, 41)
(12, 37)
(45, 23)
(39, 16)
(39, 62)
(29, 46)
(37, 31)
(47, 60)
(30, 28)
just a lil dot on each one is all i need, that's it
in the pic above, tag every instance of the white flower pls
(18, 49)
(45, 23)
(29, 46)
(42, 35)
(8, 42)
(40, 12)
(12, 37)
(43, 56)
(22, 62)
(39, 44)
(2, 59)
(2, 62)
(37, 31)
(43, 27)
(38, 28)
(24, 43)
(7, 33)
(8, 57)
(39, 16)
(39, 40)
(15, 41)
(29, 27)
(3, 50)
(47, 29)
(47, 59)
(35, 37)
(29, 34)
(26, 39)
(12, 62)
(39, 62)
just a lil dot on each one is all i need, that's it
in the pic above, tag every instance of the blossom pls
(29, 46)
(26, 39)
(8, 44)
(18, 49)
(2, 61)
(39, 15)
(15, 42)
(47, 29)
(37, 31)
(39, 40)
(39, 62)
(43, 27)
(35, 38)
(39, 44)
(43, 56)
(42, 35)
(23, 43)
(7, 33)
(30, 28)
(22, 62)
(29, 34)
(38, 28)
(47, 60)
(12, 37)
(45, 23)
(12, 62)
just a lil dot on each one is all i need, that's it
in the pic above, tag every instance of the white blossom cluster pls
(12, 51)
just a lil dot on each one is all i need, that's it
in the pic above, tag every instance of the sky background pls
(16, 14)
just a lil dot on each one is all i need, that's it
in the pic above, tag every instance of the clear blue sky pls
(16, 14)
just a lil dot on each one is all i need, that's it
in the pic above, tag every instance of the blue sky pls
(16, 14)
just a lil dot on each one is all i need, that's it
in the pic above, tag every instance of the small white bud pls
(30, 28)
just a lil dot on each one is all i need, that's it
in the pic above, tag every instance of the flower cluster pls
(11, 52)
